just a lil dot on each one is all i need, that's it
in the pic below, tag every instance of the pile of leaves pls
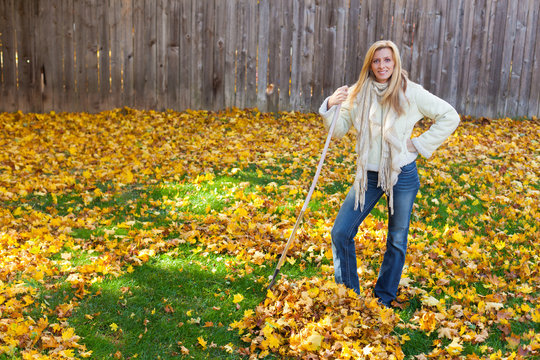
(471, 277)
(318, 319)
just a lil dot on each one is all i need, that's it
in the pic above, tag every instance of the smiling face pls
(382, 64)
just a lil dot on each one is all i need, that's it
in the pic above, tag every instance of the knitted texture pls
(389, 168)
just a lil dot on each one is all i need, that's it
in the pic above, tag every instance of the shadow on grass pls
(164, 307)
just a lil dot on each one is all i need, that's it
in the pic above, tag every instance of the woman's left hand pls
(410, 146)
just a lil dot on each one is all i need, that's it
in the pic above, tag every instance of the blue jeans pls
(346, 227)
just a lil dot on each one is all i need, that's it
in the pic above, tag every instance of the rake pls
(306, 202)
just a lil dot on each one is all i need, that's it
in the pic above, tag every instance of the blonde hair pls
(398, 80)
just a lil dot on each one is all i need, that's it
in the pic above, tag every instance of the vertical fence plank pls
(477, 49)
(320, 51)
(170, 55)
(272, 96)
(532, 38)
(362, 36)
(307, 33)
(485, 107)
(242, 36)
(285, 55)
(369, 10)
(518, 56)
(450, 67)
(506, 55)
(208, 54)
(296, 59)
(229, 77)
(340, 52)
(186, 62)
(251, 56)
(435, 48)
(28, 98)
(55, 73)
(419, 51)
(197, 55)
(384, 19)
(103, 20)
(398, 23)
(115, 11)
(140, 57)
(220, 31)
(80, 41)
(494, 76)
(91, 54)
(150, 46)
(353, 58)
(127, 53)
(408, 29)
(66, 25)
(162, 44)
(327, 66)
(262, 60)
(464, 54)
(534, 94)
(8, 47)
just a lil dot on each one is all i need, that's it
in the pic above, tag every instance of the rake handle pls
(308, 198)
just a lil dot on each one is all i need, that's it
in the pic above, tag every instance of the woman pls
(383, 106)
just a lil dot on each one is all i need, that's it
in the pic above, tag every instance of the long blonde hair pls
(398, 80)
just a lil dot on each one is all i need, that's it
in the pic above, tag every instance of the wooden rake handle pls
(308, 198)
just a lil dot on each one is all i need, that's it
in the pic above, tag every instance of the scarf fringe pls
(389, 169)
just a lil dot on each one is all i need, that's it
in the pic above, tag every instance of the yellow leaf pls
(202, 342)
(241, 212)
(68, 334)
(273, 341)
(238, 298)
(536, 316)
(525, 288)
(314, 341)
(454, 348)
(114, 327)
(430, 301)
(428, 322)
(127, 176)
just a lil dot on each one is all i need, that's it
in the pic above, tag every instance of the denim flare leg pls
(346, 227)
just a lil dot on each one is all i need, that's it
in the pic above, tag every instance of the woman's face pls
(382, 64)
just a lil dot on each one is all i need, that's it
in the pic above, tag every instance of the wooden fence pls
(483, 56)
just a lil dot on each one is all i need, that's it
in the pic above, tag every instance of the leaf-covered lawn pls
(145, 235)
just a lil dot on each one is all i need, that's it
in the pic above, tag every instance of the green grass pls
(176, 298)
(166, 303)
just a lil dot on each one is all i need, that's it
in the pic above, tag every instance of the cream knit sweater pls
(418, 103)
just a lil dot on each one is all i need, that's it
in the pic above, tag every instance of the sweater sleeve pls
(446, 121)
(344, 121)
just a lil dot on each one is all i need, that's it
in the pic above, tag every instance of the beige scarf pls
(389, 167)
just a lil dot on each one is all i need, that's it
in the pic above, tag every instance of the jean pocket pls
(409, 168)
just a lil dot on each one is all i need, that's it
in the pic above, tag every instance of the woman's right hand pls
(339, 96)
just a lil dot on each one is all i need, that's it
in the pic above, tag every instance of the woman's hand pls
(410, 146)
(339, 96)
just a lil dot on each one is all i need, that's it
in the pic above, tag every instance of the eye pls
(387, 60)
